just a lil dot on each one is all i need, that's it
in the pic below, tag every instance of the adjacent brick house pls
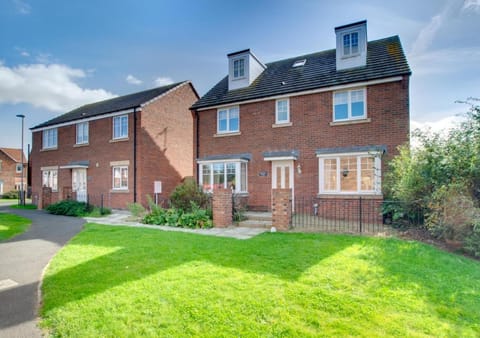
(11, 170)
(322, 124)
(116, 149)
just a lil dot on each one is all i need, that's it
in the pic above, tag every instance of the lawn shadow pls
(143, 252)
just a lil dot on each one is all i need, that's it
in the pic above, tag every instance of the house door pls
(79, 183)
(282, 175)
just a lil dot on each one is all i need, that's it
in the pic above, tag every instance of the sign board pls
(263, 173)
(157, 187)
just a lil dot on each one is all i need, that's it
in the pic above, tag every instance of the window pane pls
(116, 177)
(282, 110)
(243, 177)
(330, 174)
(367, 175)
(354, 43)
(222, 120)
(357, 109)
(346, 44)
(206, 179)
(348, 174)
(218, 175)
(341, 111)
(231, 170)
(233, 122)
(124, 178)
(124, 132)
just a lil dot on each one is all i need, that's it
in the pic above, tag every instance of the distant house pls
(322, 124)
(115, 151)
(11, 170)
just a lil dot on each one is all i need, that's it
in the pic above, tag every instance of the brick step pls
(255, 224)
(258, 216)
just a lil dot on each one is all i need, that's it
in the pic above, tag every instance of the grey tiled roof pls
(243, 156)
(352, 149)
(285, 153)
(109, 106)
(385, 58)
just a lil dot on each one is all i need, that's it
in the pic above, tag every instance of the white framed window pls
(238, 68)
(282, 111)
(228, 120)
(214, 175)
(120, 127)
(50, 179)
(82, 133)
(356, 173)
(349, 105)
(18, 168)
(50, 138)
(350, 44)
(120, 178)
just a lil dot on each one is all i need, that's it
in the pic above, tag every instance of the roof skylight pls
(299, 63)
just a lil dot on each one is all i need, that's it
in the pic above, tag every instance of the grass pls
(12, 225)
(128, 282)
(24, 207)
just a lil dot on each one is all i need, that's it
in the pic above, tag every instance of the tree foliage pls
(442, 175)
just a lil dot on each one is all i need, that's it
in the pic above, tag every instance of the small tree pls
(188, 192)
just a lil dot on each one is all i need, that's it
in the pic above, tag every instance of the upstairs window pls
(282, 111)
(238, 68)
(82, 133)
(228, 120)
(350, 44)
(18, 168)
(50, 138)
(120, 127)
(349, 105)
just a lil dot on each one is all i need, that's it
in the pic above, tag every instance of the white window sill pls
(282, 124)
(227, 134)
(76, 145)
(49, 149)
(119, 191)
(121, 139)
(345, 122)
(350, 55)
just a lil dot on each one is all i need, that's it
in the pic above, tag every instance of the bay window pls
(215, 175)
(356, 173)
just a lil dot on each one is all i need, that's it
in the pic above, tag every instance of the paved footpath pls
(22, 261)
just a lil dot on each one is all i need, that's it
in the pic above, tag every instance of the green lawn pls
(12, 225)
(24, 207)
(129, 282)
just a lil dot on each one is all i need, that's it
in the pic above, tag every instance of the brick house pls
(115, 150)
(323, 124)
(11, 170)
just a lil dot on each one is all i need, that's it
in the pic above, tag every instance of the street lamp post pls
(22, 192)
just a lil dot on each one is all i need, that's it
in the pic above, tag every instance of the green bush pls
(186, 193)
(472, 242)
(196, 218)
(11, 195)
(69, 208)
(136, 209)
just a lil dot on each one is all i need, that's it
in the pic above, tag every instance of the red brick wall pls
(160, 155)
(222, 208)
(166, 142)
(8, 173)
(281, 208)
(387, 107)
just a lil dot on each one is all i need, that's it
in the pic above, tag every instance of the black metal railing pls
(353, 215)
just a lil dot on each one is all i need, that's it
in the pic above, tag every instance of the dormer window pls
(239, 68)
(350, 44)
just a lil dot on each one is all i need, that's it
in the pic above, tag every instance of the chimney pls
(351, 45)
(243, 68)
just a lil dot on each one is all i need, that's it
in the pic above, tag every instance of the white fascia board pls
(221, 161)
(280, 158)
(164, 94)
(98, 117)
(307, 92)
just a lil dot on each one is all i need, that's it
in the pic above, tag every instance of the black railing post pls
(101, 202)
(360, 212)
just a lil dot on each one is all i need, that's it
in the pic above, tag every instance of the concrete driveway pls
(22, 260)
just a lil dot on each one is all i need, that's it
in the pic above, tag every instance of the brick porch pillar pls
(222, 208)
(281, 208)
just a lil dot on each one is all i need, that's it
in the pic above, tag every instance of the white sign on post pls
(157, 189)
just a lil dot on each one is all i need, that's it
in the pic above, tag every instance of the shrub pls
(11, 195)
(472, 241)
(196, 218)
(136, 209)
(69, 208)
(188, 192)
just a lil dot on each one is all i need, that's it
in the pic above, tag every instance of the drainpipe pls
(197, 145)
(135, 155)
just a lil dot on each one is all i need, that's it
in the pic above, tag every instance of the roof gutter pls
(135, 155)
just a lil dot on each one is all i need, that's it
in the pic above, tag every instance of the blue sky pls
(57, 55)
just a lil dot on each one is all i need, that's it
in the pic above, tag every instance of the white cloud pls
(471, 5)
(441, 126)
(46, 86)
(133, 80)
(22, 7)
(445, 61)
(163, 81)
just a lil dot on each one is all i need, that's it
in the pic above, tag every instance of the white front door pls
(282, 175)
(79, 183)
